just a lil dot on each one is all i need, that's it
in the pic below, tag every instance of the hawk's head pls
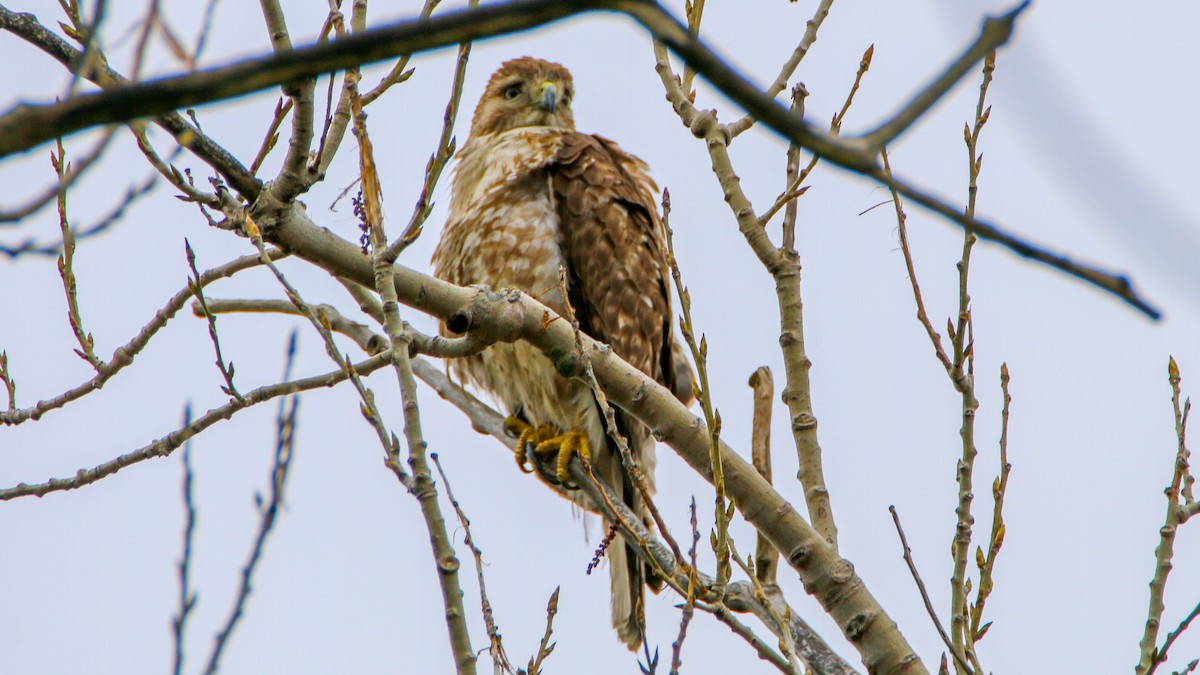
(525, 92)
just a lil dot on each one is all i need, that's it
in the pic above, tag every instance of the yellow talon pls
(527, 435)
(564, 447)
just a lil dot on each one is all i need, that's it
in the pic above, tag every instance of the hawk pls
(531, 195)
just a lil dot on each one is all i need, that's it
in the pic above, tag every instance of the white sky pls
(1089, 150)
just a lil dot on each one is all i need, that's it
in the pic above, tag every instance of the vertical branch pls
(987, 564)
(198, 290)
(66, 261)
(293, 176)
(421, 484)
(546, 647)
(784, 267)
(689, 605)
(496, 648)
(720, 540)
(285, 425)
(793, 173)
(766, 558)
(797, 394)
(187, 599)
(694, 9)
(963, 375)
(1150, 656)
(10, 385)
(437, 162)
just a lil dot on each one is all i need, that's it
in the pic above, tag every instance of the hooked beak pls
(548, 100)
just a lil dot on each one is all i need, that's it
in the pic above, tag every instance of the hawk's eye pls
(512, 91)
(566, 99)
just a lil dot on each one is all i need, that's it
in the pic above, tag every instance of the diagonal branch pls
(26, 27)
(285, 430)
(26, 126)
(169, 443)
(739, 595)
(124, 355)
(509, 316)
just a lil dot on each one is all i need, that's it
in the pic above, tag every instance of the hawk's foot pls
(527, 435)
(563, 447)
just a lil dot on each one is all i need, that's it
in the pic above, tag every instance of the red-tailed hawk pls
(532, 195)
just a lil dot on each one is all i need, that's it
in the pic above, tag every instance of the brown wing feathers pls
(612, 241)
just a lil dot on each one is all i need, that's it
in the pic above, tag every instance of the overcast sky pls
(1090, 149)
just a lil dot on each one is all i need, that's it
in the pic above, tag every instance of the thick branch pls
(26, 126)
(511, 315)
(739, 595)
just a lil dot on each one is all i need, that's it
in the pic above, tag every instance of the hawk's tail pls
(629, 575)
(628, 593)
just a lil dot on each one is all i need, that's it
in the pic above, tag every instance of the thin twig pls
(66, 270)
(285, 426)
(787, 642)
(168, 171)
(764, 651)
(437, 162)
(187, 598)
(789, 67)
(282, 109)
(10, 385)
(912, 567)
(1171, 637)
(922, 316)
(712, 417)
(202, 304)
(1150, 657)
(74, 171)
(124, 355)
(495, 647)
(546, 646)
(987, 564)
(796, 179)
(400, 71)
(689, 605)
(420, 484)
(694, 11)
(167, 444)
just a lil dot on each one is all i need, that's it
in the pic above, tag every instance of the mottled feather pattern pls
(531, 195)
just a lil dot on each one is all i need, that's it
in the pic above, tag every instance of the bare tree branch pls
(187, 598)
(167, 444)
(124, 355)
(27, 126)
(508, 316)
(285, 428)
(26, 26)
(739, 595)
(1150, 657)
(912, 567)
